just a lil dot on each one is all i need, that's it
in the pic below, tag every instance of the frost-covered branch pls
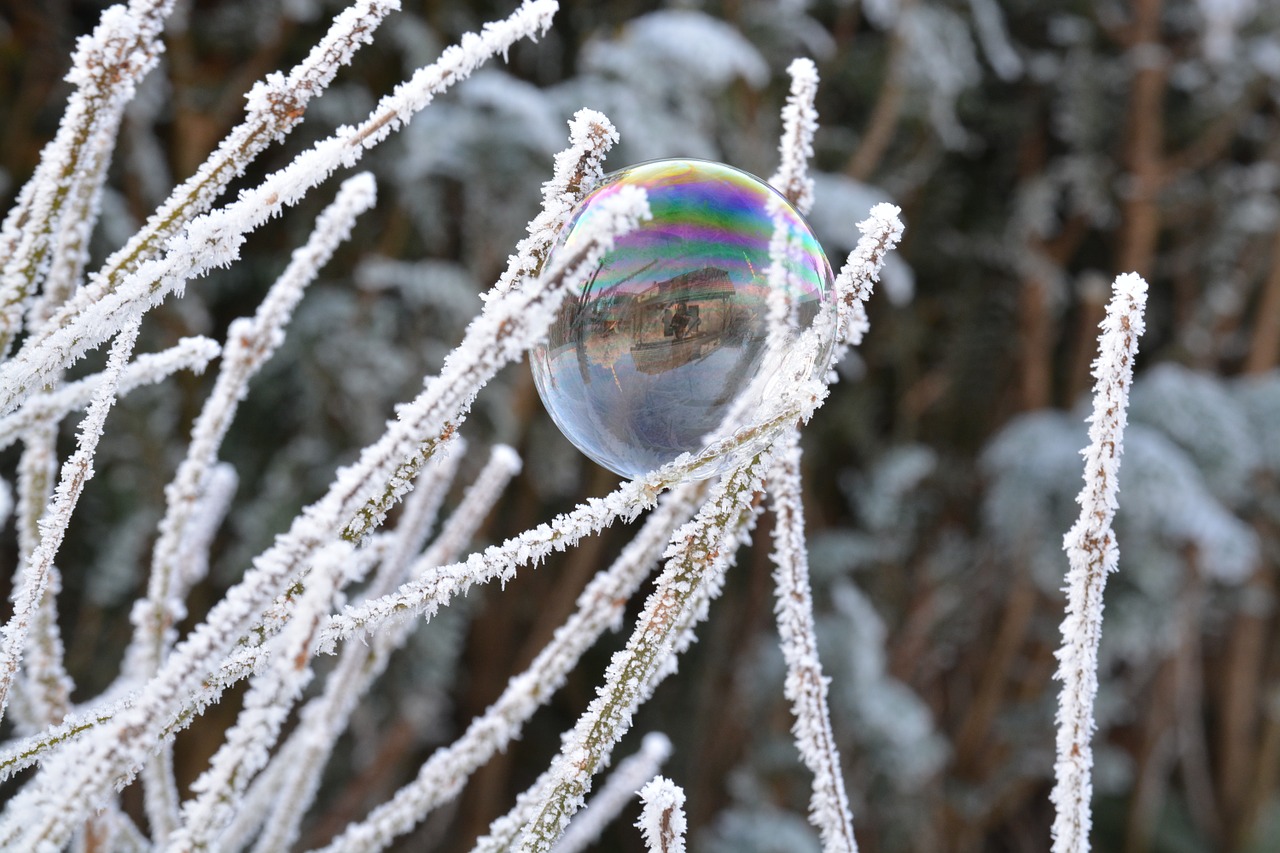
(701, 552)
(214, 239)
(326, 717)
(1093, 554)
(250, 343)
(503, 332)
(499, 335)
(275, 106)
(76, 471)
(662, 819)
(806, 686)
(500, 562)
(45, 688)
(881, 232)
(799, 123)
(187, 354)
(578, 169)
(266, 706)
(51, 222)
(617, 791)
(600, 607)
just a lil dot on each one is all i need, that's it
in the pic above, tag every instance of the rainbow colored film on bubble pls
(645, 362)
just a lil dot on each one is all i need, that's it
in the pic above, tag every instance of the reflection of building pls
(684, 318)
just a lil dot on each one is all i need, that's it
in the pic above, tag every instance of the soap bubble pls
(678, 337)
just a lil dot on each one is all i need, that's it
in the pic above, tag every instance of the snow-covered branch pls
(600, 607)
(50, 225)
(881, 232)
(700, 553)
(275, 106)
(325, 718)
(617, 791)
(578, 169)
(250, 343)
(214, 239)
(795, 148)
(1093, 554)
(187, 354)
(266, 706)
(806, 686)
(76, 471)
(662, 819)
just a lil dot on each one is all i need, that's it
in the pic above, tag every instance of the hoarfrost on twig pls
(806, 686)
(578, 169)
(214, 239)
(1093, 554)
(250, 343)
(799, 123)
(325, 718)
(616, 792)
(187, 354)
(275, 106)
(76, 471)
(600, 607)
(271, 695)
(700, 553)
(50, 224)
(79, 776)
(881, 232)
(662, 819)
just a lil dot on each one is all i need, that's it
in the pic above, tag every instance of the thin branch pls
(275, 106)
(1093, 554)
(214, 239)
(600, 607)
(662, 820)
(192, 354)
(250, 343)
(77, 471)
(52, 220)
(271, 695)
(700, 554)
(806, 686)
(616, 793)
(326, 717)
(795, 148)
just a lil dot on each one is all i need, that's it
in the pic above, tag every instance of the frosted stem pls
(52, 220)
(498, 336)
(214, 239)
(617, 791)
(188, 354)
(266, 706)
(46, 687)
(250, 343)
(600, 607)
(700, 553)
(881, 232)
(662, 819)
(77, 470)
(275, 106)
(1093, 554)
(806, 686)
(325, 718)
(799, 123)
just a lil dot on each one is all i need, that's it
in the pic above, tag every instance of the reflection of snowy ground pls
(632, 422)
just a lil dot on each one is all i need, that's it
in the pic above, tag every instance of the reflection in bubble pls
(646, 362)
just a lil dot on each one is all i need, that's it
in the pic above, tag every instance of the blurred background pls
(1036, 149)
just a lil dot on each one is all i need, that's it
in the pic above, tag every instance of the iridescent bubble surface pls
(668, 344)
